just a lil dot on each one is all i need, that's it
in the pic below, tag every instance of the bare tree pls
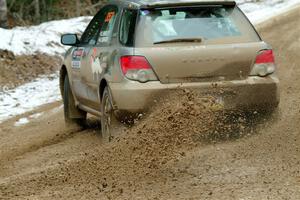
(37, 10)
(78, 7)
(3, 14)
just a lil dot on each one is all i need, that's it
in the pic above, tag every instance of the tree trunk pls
(78, 8)
(37, 11)
(3, 14)
(45, 10)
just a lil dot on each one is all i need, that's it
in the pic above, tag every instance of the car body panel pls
(178, 63)
(251, 93)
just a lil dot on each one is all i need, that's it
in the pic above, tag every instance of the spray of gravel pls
(178, 123)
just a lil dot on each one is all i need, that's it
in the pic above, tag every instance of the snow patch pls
(260, 11)
(22, 121)
(36, 115)
(29, 96)
(26, 120)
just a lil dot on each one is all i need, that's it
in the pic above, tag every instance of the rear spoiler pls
(170, 4)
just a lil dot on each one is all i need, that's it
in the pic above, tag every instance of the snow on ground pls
(45, 38)
(22, 121)
(259, 11)
(29, 96)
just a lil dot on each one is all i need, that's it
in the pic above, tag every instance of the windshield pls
(220, 23)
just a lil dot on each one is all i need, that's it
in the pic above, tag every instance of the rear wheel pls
(110, 125)
(73, 115)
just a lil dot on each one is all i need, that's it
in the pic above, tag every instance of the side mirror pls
(69, 39)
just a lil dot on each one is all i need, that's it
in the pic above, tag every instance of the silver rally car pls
(135, 49)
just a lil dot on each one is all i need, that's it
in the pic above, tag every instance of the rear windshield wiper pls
(180, 40)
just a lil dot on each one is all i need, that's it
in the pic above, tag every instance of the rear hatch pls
(195, 43)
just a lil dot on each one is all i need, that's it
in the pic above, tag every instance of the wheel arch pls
(103, 84)
(62, 74)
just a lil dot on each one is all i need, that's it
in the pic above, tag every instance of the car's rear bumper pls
(262, 92)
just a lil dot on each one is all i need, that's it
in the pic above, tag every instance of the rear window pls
(213, 24)
(127, 27)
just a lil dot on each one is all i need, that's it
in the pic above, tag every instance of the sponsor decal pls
(109, 16)
(76, 64)
(76, 57)
(95, 65)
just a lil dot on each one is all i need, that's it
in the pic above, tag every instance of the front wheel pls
(110, 125)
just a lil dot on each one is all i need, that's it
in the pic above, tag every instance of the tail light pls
(137, 68)
(264, 63)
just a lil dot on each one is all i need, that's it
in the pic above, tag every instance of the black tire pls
(73, 115)
(110, 125)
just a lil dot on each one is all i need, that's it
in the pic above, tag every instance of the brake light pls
(137, 68)
(134, 62)
(264, 63)
(265, 56)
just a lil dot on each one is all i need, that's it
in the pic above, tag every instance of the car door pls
(98, 56)
(79, 55)
(79, 90)
(82, 55)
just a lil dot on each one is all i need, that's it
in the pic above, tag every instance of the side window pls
(100, 27)
(108, 23)
(127, 27)
(90, 34)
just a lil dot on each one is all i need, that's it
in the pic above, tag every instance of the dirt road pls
(159, 158)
